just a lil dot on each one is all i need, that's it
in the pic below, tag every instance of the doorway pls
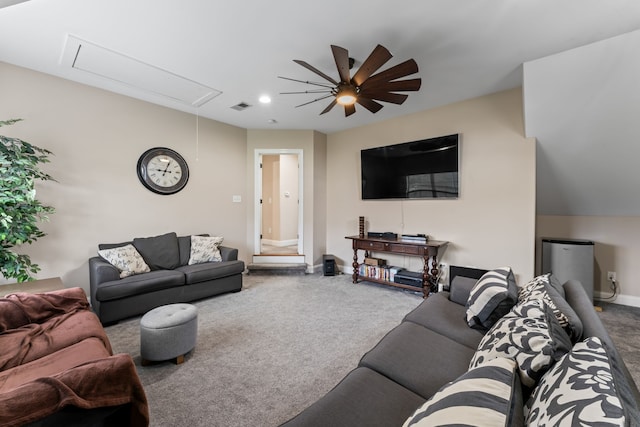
(279, 205)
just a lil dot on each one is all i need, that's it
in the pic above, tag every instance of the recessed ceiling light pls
(265, 99)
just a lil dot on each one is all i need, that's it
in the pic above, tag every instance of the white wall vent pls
(117, 67)
(241, 106)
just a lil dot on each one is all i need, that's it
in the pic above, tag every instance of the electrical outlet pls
(611, 276)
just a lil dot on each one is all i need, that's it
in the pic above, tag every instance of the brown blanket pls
(110, 381)
(54, 320)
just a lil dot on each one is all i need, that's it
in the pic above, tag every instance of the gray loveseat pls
(434, 346)
(171, 279)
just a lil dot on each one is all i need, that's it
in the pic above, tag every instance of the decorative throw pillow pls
(579, 390)
(205, 249)
(489, 395)
(491, 298)
(531, 335)
(126, 259)
(542, 288)
(159, 252)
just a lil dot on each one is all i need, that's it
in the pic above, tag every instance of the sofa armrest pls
(228, 254)
(100, 271)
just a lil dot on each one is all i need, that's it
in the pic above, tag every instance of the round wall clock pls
(162, 170)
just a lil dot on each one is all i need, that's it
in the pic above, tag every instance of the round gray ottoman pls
(168, 332)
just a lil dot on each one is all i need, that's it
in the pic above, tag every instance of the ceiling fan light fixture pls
(346, 95)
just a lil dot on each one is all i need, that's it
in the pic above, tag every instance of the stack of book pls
(383, 272)
(415, 238)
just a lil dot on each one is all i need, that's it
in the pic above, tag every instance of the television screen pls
(425, 169)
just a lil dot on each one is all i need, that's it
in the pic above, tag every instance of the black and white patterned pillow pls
(541, 288)
(491, 298)
(531, 335)
(489, 395)
(578, 390)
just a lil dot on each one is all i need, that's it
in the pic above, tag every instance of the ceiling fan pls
(364, 88)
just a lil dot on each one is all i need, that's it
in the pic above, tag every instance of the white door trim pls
(258, 153)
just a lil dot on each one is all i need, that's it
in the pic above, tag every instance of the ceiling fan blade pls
(349, 110)
(307, 82)
(394, 98)
(317, 99)
(374, 61)
(315, 70)
(403, 85)
(329, 107)
(394, 86)
(369, 104)
(403, 69)
(341, 56)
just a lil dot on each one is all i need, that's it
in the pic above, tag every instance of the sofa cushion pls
(102, 246)
(443, 316)
(491, 298)
(581, 389)
(531, 335)
(126, 259)
(541, 288)
(418, 358)
(460, 289)
(488, 395)
(139, 284)
(184, 244)
(197, 273)
(159, 252)
(205, 249)
(362, 398)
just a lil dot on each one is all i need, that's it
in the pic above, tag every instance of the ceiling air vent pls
(241, 106)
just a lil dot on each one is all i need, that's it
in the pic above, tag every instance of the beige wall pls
(491, 224)
(616, 249)
(97, 138)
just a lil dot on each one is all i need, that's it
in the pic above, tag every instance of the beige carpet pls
(267, 352)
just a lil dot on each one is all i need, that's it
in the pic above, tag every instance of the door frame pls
(258, 153)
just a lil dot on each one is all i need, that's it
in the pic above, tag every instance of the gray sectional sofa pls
(170, 280)
(433, 347)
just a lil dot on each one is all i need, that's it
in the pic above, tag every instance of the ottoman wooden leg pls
(180, 359)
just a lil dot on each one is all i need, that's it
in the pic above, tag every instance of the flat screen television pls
(425, 169)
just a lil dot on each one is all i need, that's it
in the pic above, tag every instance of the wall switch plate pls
(236, 199)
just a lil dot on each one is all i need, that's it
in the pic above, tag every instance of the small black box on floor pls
(329, 265)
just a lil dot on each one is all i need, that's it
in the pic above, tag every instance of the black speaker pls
(329, 265)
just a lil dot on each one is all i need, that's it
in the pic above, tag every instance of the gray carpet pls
(267, 352)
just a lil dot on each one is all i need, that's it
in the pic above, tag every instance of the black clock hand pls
(167, 168)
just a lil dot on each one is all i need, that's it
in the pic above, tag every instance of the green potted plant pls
(20, 211)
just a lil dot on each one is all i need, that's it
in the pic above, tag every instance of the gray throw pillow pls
(488, 395)
(494, 294)
(531, 335)
(159, 252)
(541, 287)
(581, 389)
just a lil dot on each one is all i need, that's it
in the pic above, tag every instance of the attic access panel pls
(100, 61)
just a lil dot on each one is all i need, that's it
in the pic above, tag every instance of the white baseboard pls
(621, 299)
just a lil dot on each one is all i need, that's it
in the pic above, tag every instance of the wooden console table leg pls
(354, 276)
(435, 272)
(426, 279)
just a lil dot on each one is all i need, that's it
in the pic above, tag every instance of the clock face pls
(162, 170)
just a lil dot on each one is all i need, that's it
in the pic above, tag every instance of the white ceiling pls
(464, 48)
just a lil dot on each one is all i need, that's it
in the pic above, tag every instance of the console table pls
(428, 251)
